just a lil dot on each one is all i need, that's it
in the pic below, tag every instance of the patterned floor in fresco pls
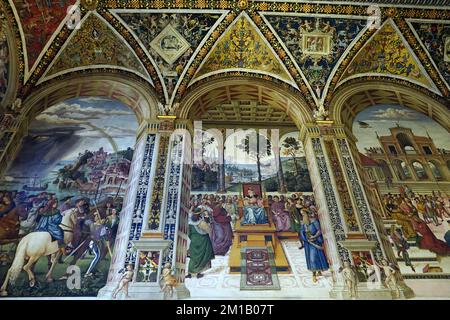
(219, 284)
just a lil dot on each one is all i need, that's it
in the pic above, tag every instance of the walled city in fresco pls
(68, 180)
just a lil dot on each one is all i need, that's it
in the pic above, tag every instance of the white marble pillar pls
(133, 210)
(154, 225)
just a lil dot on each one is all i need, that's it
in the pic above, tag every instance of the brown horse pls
(10, 224)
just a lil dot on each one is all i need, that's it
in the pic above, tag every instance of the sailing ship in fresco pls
(34, 187)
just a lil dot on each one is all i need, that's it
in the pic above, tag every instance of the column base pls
(366, 291)
(143, 291)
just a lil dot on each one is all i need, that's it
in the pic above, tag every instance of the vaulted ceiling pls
(312, 47)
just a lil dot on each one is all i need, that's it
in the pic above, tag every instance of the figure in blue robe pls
(311, 235)
(49, 221)
(254, 214)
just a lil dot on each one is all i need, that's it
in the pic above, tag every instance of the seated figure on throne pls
(254, 211)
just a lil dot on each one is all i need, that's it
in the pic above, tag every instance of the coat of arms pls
(316, 42)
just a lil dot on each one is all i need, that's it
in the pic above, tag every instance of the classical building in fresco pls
(404, 157)
(225, 149)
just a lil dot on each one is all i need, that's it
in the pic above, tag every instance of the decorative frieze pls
(356, 189)
(154, 217)
(172, 193)
(330, 197)
(349, 213)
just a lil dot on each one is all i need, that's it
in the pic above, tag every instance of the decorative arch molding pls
(297, 108)
(356, 96)
(136, 95)
(16, 65)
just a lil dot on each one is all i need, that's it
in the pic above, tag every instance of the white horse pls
(28, 224)
(36, 245)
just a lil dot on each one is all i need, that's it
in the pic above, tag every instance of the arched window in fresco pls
(77, 156)
(402, 170)
(293, 163)
(406, 143)
(435, 169)
(205, 169)
(249, 158)
(419, 170)
(385, 169)
(405, 170)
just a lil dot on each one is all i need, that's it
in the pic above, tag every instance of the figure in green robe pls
(200, 249)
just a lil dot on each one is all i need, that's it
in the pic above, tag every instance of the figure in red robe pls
(221, 233)
(429, 240)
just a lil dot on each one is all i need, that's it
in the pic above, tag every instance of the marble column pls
(133, 210)
(153, 232)
(348, 224)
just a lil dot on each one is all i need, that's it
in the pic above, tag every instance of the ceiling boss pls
(90, 4)
(243, 4)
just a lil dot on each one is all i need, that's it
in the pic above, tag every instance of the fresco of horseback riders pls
(43, 225)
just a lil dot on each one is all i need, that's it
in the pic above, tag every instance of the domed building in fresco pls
(221, 149)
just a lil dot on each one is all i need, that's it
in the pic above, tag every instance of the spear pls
(73, 251)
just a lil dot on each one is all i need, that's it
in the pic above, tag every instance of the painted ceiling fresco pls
(96, 44)
(387, 53)
(39, 20)
(4, 57)
(242, 47)
(316, 44)
(311, 47)
(171, 39)
(436, 39)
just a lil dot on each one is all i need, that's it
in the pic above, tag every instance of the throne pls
(256, 235)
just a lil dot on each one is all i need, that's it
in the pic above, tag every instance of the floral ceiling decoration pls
(316, 44)
(387, 53)
(311, 47)
(242, 47)
(96, 44)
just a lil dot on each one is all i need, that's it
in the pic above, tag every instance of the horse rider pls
(49, 220)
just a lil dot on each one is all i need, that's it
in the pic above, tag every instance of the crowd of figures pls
(418, 215)
(213, 219)
(78, 227)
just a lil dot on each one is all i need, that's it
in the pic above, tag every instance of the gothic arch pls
(353, 98)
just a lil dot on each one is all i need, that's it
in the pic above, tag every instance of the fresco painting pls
(71, 171)
(355, 191)
(407, 154)
(244, 165)
(4, 57)
(316, 44)
(40, 19)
